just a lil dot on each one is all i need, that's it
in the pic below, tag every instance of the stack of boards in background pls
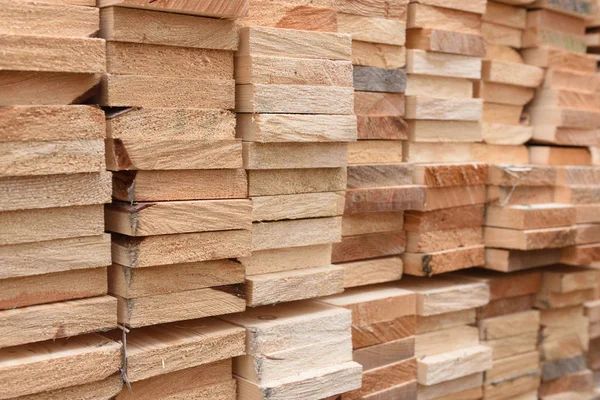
(592, 312)
(180, 214)
(379, 185)
(53, 186)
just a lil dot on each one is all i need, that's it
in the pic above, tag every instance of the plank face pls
(221, 9)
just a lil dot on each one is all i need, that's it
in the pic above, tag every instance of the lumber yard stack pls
(295, 116)
(180, 214)
(591, 311)
(54, 185)
(379, 185)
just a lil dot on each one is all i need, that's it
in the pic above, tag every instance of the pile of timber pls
(53, 187)
(379, 185)
(180, 214)
(565, 112)
(299, 350)
(510, 326)
(592, 312)
(526, 225)
(564, 336)
(295, 116)
(383, 341)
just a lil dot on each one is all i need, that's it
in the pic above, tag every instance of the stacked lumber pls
(180, 214)
(564, 338)
(295, 116)
(510, 326)
(592, 312)
(580, 187)
(565, 111)
(450, 357)
(505, 23)
(300, 350)
(526, 224)
(53, 291)
(445, 233)
(379, 185)
(383, 341)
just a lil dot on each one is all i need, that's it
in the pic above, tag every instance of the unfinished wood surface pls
(58, 320)
(476, 6)
(50, 288)
(509, 325)
(55, 255)
(378, 55)
(289, 15)
(570, 80)
(433, 241)
(452, 389)
(167, 123)
(375, 152)
(220, 9)
(297, 206)
(383, 378)
(441, 175)
(426, 108)
(578, 194)
(287, 259)
(45, 88)
(305, 155)
(563, 278)
(534, 37)
(293, 285)
(513, 345)
(445, 321)
(385, 9)
(382, 332)
(510, 366)
(294, 181)
(437, 296)
(294, 43)
(524, 195)
(312, 385)
(179, 306)
(161, 92)
(368, 272)
(502, 35)
(527, 175)
(379, 175)
(405, 390)
(385, 353)
(531, 239)
(449, 218)
(580, 8)
(372, 79)
(139, 282)
(294, 99)
(445, 41)
(366, 223)
(265, 128)
(442, 64)
(395, 198)
(587, 213)
(439, 86)
(503, 93)
(426, 16)
(508, 114)
(548, 18)
(138, 252)
(138, 186)
(548, 97)
(452, 196)
(147, 219)
(519, 386)
(504, 134)
(373, 304)
(382, 127)
(152, 27)
(515, 260)
(375, 103)
(564, 136)
(433, 131)
(295, 233)
(373, 29)
(433, 263)
(556, 369)
(505, 285)
(547, 56)
(453, 365)
(546, 300)
(559, 155)
(445, 340)
(503, 14)
(372, 245)
(87, 358)
(105, 388)
(577, 382)
(512, 73)
(581, 254)
(27, 226)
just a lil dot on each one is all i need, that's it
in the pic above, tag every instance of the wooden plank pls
(512, 345)
(445, 321)
(445, 340)
(517, 284)
(511, 366)
(305, 155)
(50, 288)
(378, 55)
(503, 134)
(382, 127)
(295, 233)
(587, 213)
(564, 136)
(453, 365)
(521, 194)
(373, 245)
(372, 79)
(502, 114)
(477, 6)
(287, 259)
(445, 41)
(536, 216)
(220, 9)
(452, 196)
(548, 18)
(515, 260)
(382, 332)
(266, 128)
(433, 241)
(373, 29)
(405, 390)
(531, 239)
(88, 358)
(143, 26)
(579, 381)
(368, 272)
(287, 15)
(385, 353)
(570, 79)
(133, 283)
(439, 86)
(557, 300)
(426, 108)
(75, 317)
(105, 388)
(27, 226)
(581, 254)
(558, 58)
(179, 306)
(147, 219)
(559, 155)
(425, 16)
(294, 99)
(294, 43)
(293, 285)
(52, 54)
(385, 9)
(45, 88)
(375, 103)
(396, 198)
(433, 263)
(509, 325)
(579, 8)
(56, 255)
(375, 152)
(556, 369)
(425, 152)
(361, 224)
(547, 97)
(529, 175)
(442, 64)
(577, 194)
(563, 279)
(293, 181)
(433, 131)
(152, 91)
(379, 175)
(385, 377)
(516, 386)
(503, 93)
(502, 35)
(512, 73)
(297, 206)
(292, 71)
(138, 186)
(574, 175)
(498, 13)
(444, 175)
(449, 218)
(451, 388)
(534, 37)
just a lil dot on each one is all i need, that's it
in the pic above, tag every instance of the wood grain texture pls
(382, 378)
(266, 128)
(442, 64)
(383, 128)
(372, 79)
(378, 55)
(449, 218)
(378, 175)
(297, 206)
(530, 217)
(105, 388)
(427, 108)
(426, 16)
(386, 353)
(374, 103)
(532, 239)
(503, 94)
(287, 259)
(293, 181)
(382, 332)
(367, 272)
(453, 365)
(432, 241)
(443, 175)
(373, 29)
(439, 86)
(445, 340)
(515, 260)
(396, 198)
(221, 9)
(444, 321)
(294, 233)
(353, 248)
(305, 155)
(452, 390)
(547, 56)
(302, 15)
(433, 263)
(446, 41)
(512, 73)
(477, 6)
